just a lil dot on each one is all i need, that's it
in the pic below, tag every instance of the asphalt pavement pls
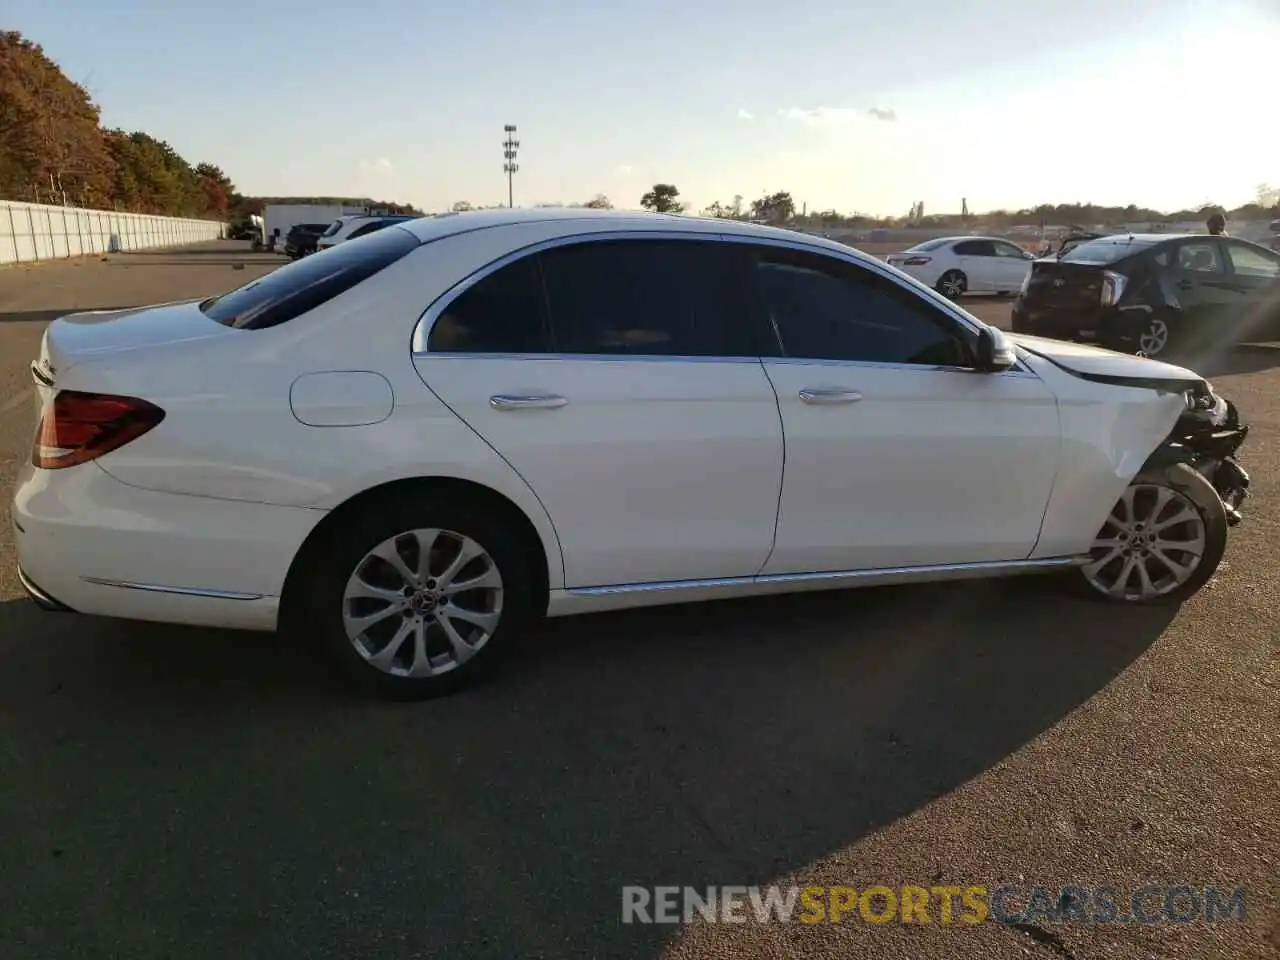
(171, 792)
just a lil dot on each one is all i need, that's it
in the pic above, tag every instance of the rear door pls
(980, 265)
(1255, 275)
(619, 379)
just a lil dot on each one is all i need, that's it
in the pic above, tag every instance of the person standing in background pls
(1217, 224)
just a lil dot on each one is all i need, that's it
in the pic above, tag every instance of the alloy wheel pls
(1149, 546)
(1154, 338)
(422, 603)
(952, 285)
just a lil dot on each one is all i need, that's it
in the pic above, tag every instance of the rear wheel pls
(416, 599)
(952, 284)
(1154, 340)
(1162, 541)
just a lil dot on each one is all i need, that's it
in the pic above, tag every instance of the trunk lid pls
(1057, 285)
(92, 335)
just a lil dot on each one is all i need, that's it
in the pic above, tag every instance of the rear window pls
(333, 228)
(1106, 250)
(928, 245)
(304, 284)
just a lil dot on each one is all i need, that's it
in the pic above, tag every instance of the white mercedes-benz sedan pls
(410, 445)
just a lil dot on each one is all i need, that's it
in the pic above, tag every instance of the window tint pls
(1200, 257)
(830, 310)
(503, 313)
(640, 297)
(369, 228)
(976, 248)
(1105, 250)
(304, 284)
(1253, 263)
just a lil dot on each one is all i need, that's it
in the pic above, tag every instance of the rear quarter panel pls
(230, 433)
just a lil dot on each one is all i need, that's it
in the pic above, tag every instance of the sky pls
(854, 107)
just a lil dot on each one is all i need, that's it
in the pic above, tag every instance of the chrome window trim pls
(422, 328)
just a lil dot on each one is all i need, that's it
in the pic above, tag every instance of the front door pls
(1197, 281)
(898, 454)
(1255, 275)
(1012, 265)
(614, 378)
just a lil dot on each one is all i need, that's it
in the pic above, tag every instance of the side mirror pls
(1028, 255)
(994, 352)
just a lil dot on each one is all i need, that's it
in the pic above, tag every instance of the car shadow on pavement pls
(1239, 359)
(197, 774)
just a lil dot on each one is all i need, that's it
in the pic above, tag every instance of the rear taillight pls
(79, 427)
(1113, 285)
(915, 261)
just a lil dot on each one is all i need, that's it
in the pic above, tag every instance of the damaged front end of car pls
(1206, 438)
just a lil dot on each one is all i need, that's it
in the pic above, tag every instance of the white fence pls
(33, 231)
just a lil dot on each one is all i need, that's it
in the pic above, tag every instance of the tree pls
(598, 202)
(217, 188)
(51, 147)
(1268, 196)
(775, 208)
(662, 199)
(462, 206)
(732, 211)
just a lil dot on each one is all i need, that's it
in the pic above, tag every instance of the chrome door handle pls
(545, 402)
(830, 396)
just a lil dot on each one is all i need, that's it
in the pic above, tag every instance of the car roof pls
(437, 226)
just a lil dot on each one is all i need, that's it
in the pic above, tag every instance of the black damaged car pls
(1155, 294)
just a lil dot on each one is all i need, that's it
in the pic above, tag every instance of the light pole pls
(509, 167)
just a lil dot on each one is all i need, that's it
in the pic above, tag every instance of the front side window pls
(305, 284)
(1011, 251)
(831, 310)
(1248, 262)
(642, 297)
(502, 313)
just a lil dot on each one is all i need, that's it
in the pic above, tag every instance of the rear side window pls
(643, 297)
(304, 284)
(502, 313)
(976, 248)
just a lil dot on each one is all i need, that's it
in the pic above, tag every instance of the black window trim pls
(422, 328)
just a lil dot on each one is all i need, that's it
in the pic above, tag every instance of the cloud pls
(380, 165)
(821, 117)
(745, 114)
(831, 118)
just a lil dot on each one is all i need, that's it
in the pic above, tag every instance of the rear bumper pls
(1081, 325)
(90, 544)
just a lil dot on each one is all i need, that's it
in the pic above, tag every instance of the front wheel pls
(1162, 541)
(417, 598)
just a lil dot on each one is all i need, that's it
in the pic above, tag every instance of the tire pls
(347, 556)
(1157, 339)
(952, 284)
(1185, 490)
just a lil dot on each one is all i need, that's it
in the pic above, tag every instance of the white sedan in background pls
(957, 265)
(414, 443)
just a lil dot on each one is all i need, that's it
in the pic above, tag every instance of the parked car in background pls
(348, 228)
(1191, 294)
(559, 412)
(302, 238)
(958, 265)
